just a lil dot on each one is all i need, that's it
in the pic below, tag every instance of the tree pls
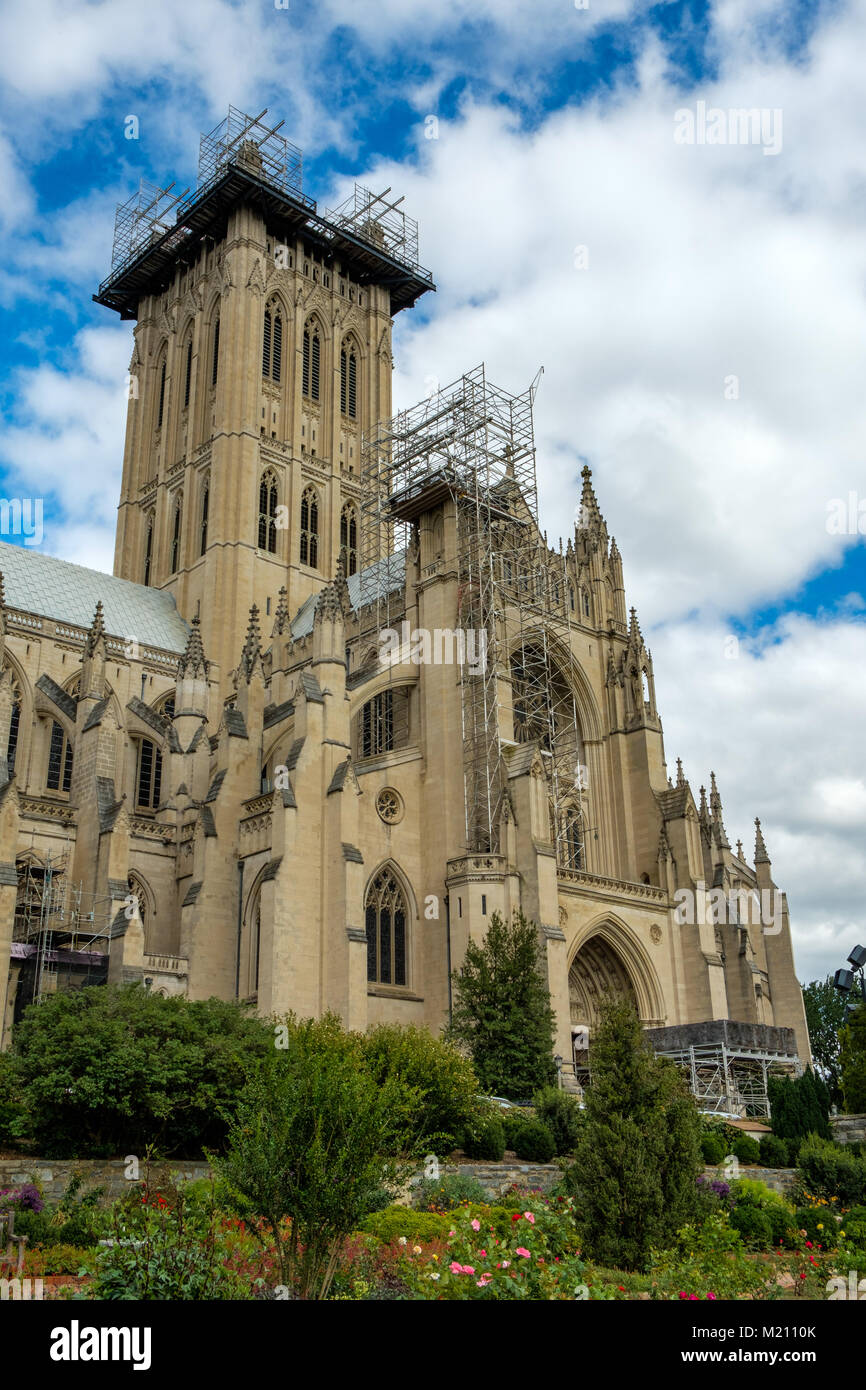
(852, 1062)
(113, 1070)
(825, 1016)
(502, 1012)
(312, 1146)
(441, 1087)
(638, 1155)
(800, 1106)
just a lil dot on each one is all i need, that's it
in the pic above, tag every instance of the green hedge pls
(534, 1142)
(562, 1115)
(830, 1170)
(388, 1225)
(484, 1136)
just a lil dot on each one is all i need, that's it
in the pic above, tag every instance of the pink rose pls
(530, 1218)
(456, 1268)
(520, 1251)
(475, 1224)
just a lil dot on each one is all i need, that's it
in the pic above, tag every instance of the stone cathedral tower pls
(262, 354)
(213, 779)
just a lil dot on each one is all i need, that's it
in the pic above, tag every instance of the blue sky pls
(704, 266)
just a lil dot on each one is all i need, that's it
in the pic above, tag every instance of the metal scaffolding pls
(59, 929)
(473, 444)
(140, 222)
(731, 1081)
(246, 139)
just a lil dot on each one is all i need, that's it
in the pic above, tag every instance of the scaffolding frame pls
(242, 138)
(473, 443)
(370, 216)
(58, 917)
(142, 220)
(732, 1080)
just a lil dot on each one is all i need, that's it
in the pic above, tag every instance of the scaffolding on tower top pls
(248, 140)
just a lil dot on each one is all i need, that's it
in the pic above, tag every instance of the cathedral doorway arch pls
(597, 972)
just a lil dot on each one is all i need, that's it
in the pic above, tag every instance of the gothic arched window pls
(385, 921)
(312, 362)
(383, 723)
(148, 775)
(205, 504)
(272, 341)
(160, 406)
(175, 533)
(215, 354)
(14, 727)
(148, 547)
(572, 840)
(310, 528)
(349, 381)
(187, 376)
(268, 498)
(59, 777)
(349, 538)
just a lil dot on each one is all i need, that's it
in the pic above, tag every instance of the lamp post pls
(558, 1060)
(844, 980)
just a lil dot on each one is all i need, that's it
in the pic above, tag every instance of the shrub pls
(753, 1225)
(439, 1081)
(819, 1225)
(709, 1258)
(165, 1248)
(713, 1149)
(445, 1193)
(852, 1058)
(746, 1149)
(562, 1115)
(534, 1142)
(12, 1110)
(419, 1226)
(60, 1259)
(513, 1121)
(109, 1070)
(308, 1144)
(774, 1152)
(484, 1136)
(800, 1106)
(502, 1011)
(639, 1155)
(831, 1170)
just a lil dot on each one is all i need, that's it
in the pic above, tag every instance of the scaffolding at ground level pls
(728, 1064)
(473, 444)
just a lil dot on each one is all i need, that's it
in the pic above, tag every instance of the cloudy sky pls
(699, 310)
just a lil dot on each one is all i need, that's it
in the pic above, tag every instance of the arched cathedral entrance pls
(596, 971)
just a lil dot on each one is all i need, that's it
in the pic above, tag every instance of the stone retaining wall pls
(779, 1179)
(496, 1178)
(848, 1129)
(53, 1175)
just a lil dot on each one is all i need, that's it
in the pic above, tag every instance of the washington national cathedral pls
(341, 700)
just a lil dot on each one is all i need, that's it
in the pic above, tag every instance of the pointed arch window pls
(268, 499)
(148, 776)
(215, 355)
(59, 776)
(187, 378)
(160, 409)
(311, 362)
(349, 381)
(272, 342)
(14, 728)
(573, 853)
(385, 921)
(148, 547)
(176, 533)
(349, 538)
(310, 528)
(205, 505)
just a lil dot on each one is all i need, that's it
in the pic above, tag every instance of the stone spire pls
(282, 625)
(589, 509)
(252, 646)
(761, 855)
(333, 601)
(634, 632)
(703, 813)
(740, 850)
(716, 811)
(681, 781)
(193, 662)
(97, 630)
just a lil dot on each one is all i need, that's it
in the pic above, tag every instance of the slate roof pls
(390, 573)
(68, 593)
